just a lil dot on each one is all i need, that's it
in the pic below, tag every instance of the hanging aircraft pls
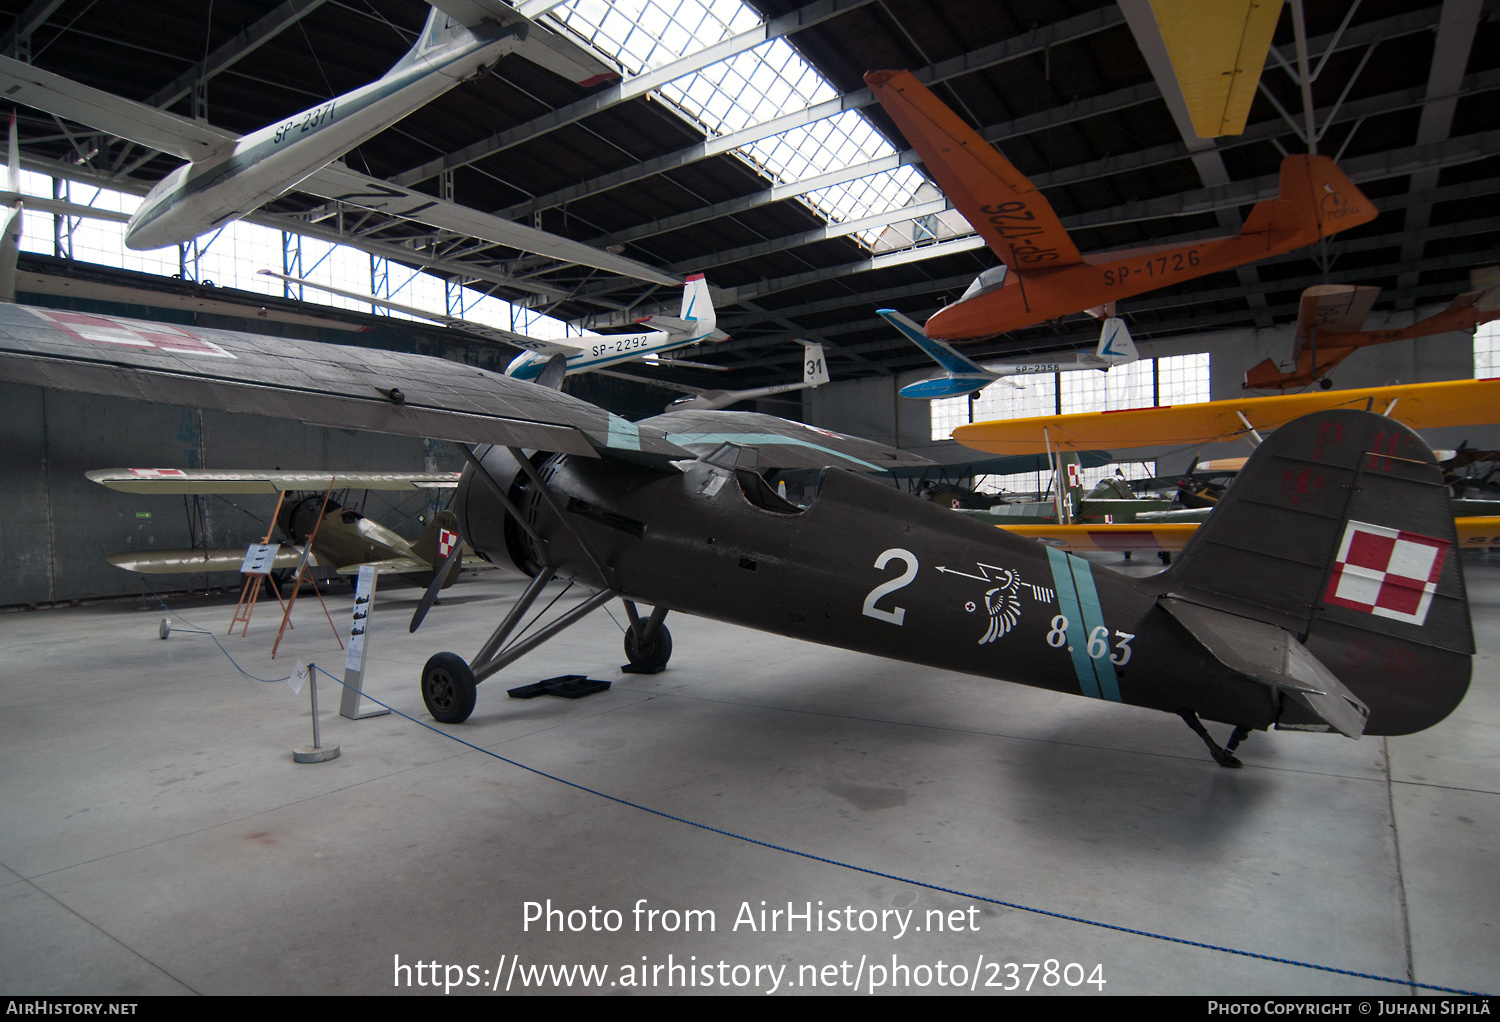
(814, 374)
(344, 541)
(228, 176)
(965, 376)
(1337, 605)
(696, 325)
(1048, 277)
(1330, 321)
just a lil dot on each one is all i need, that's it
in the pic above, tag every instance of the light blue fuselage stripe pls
(623, 434)
(1067, 602)
(1093, 617)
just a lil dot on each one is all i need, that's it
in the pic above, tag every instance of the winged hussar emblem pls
(1004, 605)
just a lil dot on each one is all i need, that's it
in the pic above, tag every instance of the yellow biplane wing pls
(1418, 405)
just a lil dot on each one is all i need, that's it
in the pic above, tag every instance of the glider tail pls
(1330, 572)
(1115, 344)
(814, 366)
(1315, 196)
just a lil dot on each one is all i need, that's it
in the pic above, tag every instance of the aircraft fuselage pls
(199, 197)
(864, 568)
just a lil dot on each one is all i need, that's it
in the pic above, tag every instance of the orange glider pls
(1329, 318)
(1047, 276)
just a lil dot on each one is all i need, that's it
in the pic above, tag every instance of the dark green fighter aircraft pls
(1324, 594)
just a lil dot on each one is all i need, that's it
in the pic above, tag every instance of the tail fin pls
(698, 319)
(940, 352)
(1339, 531)
(697, 305)
(437, 540)
(1315, 195)
(1115, 344)
(814, 368)
(1069, 486)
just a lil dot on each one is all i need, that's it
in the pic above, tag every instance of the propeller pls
(439, 577)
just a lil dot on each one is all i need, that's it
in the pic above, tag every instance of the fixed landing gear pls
(448, 688)
(1325, 383)
(1223, 756)
(648, 644)
(649, 655)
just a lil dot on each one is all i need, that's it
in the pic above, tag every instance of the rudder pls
(1339, 531)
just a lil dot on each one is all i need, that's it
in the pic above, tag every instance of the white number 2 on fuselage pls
(896, 615)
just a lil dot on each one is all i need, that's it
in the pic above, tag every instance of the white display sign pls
(259, 558)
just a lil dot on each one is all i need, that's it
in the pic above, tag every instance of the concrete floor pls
(156, 837)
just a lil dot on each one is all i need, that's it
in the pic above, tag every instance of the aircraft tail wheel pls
(1325, 383)
(448, 688)
(651, 655)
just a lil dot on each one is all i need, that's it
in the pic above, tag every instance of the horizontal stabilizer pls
(391, 566)
(1273, 657)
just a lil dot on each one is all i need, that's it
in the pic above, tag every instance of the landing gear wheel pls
(448, 688)
(1325, 383)
(651, 656)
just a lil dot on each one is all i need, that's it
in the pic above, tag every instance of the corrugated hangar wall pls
(56, 527)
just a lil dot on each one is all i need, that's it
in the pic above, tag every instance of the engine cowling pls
(483, 520)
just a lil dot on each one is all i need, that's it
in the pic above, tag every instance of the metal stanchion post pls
(314, 753)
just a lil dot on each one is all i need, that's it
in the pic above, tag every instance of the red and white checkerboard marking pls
(446, 542)
(158, 473)
(1075, 474)
(130, 333)
(1386, 572)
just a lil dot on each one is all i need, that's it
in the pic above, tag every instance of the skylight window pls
(749, 88)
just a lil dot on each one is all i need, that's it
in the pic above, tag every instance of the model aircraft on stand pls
(344, 540)
(1047, 276)
(228, 176)
(1336, 604)
(1330, 328)
(965, 376)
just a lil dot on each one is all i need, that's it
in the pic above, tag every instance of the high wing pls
(1217, 51)
(944, 354)
(1331, 309)
(42, 90)
(1020, 225)
(321, 384)
(209, 481)
(1419, 405)
(766, 442)
(338, 183)
(1474, 533)
(195, 142)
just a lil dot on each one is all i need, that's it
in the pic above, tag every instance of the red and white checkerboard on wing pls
(1386, 572)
